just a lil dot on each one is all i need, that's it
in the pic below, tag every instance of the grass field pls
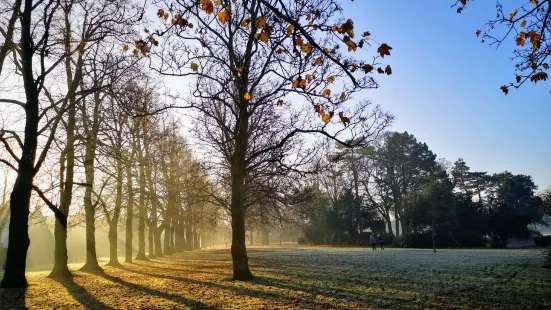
(305, 278)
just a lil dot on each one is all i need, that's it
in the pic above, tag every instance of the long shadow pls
(238, 290)
(176, 269)
(194, 304)
(12, 298)
(80, 294)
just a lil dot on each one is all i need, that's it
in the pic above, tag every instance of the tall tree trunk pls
(166, 238)
(141, 204)
(189, 233)
(60, 268)
(20, 198)
(91, 264)
(113, 226)
(237, 206)
(173, 235)
(155, 232)
(357, 200)
(389, 224)
(129, 210)
(196, 245)
(238, 248)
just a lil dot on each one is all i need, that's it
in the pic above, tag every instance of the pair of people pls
(376, 240)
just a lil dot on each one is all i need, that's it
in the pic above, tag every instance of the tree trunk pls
(129, 211)
(173, 236)
(91, 264)
(141, 204)
(151, 241)
(158, 244)
(389, 224)
(166, 241)
(60, 230)
(237, 206)
(357, 200)
(18, 240)
(189, 232)
(238, 248)
(113, 226)
(196, 245)
(265, 236)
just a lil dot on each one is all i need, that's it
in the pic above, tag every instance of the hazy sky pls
(445, 86)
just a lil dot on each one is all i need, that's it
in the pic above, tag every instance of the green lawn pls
(304, 277)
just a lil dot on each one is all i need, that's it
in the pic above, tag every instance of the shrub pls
(302, 240)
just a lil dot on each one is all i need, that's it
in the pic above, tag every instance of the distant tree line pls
(396, 187)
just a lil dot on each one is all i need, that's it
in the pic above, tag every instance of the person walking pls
(381, 242)
(373, 241)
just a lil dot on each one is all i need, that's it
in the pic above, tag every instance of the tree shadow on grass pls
(235, 289)
(80, 294)
(194, 304)
(174, 269)
(12, 298)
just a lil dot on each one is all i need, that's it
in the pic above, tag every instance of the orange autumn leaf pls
(299, 82)
(352, 46)
(348, 28)
(388, 70)
(125, 48)
(223, 17)
(520, 41)
(244, 24)
(264, 37)
(279, 102)
(309, 78)
(261, 22)
(207, 6)
(290, 30)
(247, 96)
(345, 120)
(343, 96)
(318, 61)
(161, 13)
(331, 79)
(194, 66)
(545, 66)
(326, 92)
(325, 118)
(307, 48)
(540, 76)
(478, 33)
(384, 49)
